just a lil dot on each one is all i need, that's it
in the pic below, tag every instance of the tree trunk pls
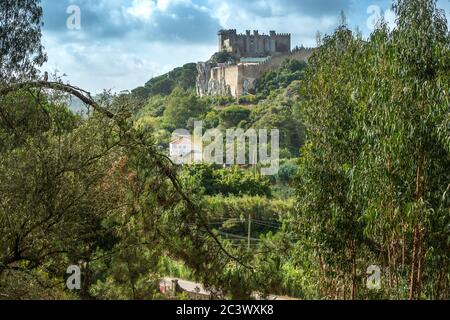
(414, 266)
(416, 263)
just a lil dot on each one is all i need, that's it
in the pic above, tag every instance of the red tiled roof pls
(181, 140)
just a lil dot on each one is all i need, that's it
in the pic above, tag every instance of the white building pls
(184, 151)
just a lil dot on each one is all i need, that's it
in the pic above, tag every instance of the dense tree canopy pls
(234, 181)
(182, 77)
(233, 115)
(373, 180)
(21, 51)
(182, 107)
(288, 72)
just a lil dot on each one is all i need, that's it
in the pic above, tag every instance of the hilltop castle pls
(253, 45)
(251, 56)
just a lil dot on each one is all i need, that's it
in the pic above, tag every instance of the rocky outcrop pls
(206, 85)
(218, 87)
(204, 73)
(250, 85)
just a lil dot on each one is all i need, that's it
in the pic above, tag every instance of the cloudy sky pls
(121, 44)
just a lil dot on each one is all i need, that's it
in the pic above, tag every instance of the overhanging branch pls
(75, 91)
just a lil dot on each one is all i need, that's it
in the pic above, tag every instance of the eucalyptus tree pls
(328, 219)
(21, 51)
(374, 177)
(403, 172)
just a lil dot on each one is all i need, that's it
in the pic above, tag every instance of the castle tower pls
(254, 45)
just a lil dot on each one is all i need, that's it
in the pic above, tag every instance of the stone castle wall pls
(240, 79)
(254, 45)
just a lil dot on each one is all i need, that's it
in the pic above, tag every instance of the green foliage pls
(154, 107)
(287, 172)
(180, 107)
(259, 207)
(211, 120)
(21, 52)
(218, 101)
(49, 173)
(91, 192)
(247, 99)
(281, 110)
(373, 178)
(182, 77)
(222, 57)
(175, 269)
(231, 116)
(229, 181)
(282, 77)
(239, 182)
(127, 275)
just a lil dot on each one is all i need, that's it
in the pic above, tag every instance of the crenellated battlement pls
(249, 32)
(254, 44)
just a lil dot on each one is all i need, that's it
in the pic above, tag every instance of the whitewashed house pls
(183, 150)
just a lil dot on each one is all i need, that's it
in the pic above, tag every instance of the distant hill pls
(76, 105)
(79, 107)
(182, 77)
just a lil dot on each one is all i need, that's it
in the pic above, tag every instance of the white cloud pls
(163, 4)
(141, 9)
(98, 66)
(390, 19)
(223, 13)
(302, 27)
(145, 9)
